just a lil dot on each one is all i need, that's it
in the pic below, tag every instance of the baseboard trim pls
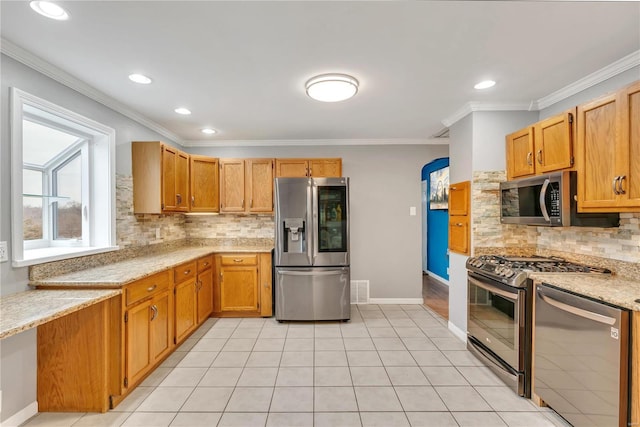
(396, 301)
(459, 333)
(21, 416)
(438, 278)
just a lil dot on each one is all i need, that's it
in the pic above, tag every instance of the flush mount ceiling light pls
(331, 87)
(208, 131)
(486, 84)
(140, 78)
(50, 10)
(183, 111)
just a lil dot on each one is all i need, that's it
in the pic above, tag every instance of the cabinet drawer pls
(184, 272)
(148, 286)
(204, 263)
(239, 259)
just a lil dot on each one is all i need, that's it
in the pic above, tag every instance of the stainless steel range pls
(500, 299)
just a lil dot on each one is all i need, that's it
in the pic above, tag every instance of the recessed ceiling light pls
(208, 131)
(486, 84)
(139, 78)
(331, 87)
(50, 10)
(183, 111)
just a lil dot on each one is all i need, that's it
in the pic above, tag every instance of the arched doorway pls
(435, 238)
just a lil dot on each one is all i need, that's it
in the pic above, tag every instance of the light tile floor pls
(391, 365)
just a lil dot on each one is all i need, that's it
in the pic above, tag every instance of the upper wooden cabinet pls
(160, 178)
(460, 217)
(317, 168)
(204, 184)
(246, 185)
(608, 152)
(543, 147)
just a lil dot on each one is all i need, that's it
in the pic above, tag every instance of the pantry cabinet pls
(543, 147)
(316, 168)
(246, 185)
(148, 325)
(204, 184)
(608, 152)
(160, 178)
(243, 285)
(460, 217)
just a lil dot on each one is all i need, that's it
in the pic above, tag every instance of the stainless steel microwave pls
(549, 200)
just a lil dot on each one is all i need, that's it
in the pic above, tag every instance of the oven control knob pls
(508, 272)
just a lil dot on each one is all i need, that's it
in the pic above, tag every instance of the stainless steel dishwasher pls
(581, 357)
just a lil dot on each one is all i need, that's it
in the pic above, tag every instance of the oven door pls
(497, 322)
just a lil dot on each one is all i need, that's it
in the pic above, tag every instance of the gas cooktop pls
(514, 270)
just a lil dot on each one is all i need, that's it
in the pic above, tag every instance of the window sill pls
(40, 256)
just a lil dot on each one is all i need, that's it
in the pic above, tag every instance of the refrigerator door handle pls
(314, 272)
(315, 229)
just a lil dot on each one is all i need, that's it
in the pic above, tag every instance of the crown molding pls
(626, 63)
(32, 61)
(313, 142)
(473, 106)
(611, 70)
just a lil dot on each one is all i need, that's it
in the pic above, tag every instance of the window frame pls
(95, 141)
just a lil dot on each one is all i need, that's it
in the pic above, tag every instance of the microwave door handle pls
(543, 203)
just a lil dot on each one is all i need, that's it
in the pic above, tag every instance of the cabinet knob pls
(152, 288)
(179, 198)
(193, 200)
(458, 224)
(187, 272)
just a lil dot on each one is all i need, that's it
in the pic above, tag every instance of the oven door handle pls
(543, 202)
(493, 289)
(577, 311)
(491, 359)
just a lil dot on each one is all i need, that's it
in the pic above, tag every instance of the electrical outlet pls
(4, 255)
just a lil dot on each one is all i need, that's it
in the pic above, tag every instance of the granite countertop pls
(26, 310)
(118, 274)
(613, 289)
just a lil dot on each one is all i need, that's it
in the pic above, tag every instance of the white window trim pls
(102, 238)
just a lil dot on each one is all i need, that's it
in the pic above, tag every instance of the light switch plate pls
(4, 255)
(412, 210)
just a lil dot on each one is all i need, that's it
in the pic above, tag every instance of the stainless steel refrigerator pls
(312, 277)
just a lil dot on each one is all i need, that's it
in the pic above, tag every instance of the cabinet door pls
(553, 140)
(266, 295)
(138, 335)
(597, 149)
(459, 235)
(459, 198)
(239, 288)
(205, 294)
(182, 182)
(292, 168)
(204, 184)
(629, 152)
(325, 168)
(185, 297)
(161, 319)
(520, 153)
(169, 200)
(259, 181)
(232, 185)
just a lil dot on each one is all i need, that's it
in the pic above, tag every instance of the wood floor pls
(436, 295)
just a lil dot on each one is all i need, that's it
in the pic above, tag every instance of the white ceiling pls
(241, 66)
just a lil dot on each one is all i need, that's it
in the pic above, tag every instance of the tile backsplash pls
(229, 226)
(620, 244)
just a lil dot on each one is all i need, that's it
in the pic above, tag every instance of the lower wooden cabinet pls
(204, 288)
(185, 295)
(243, 285)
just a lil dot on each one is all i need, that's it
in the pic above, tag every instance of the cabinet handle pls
(206, 263)
(458, 224)
(614, 185)
(539, 156)
(187, 272)
(529, 158)
(154, 310)
(237, 260)
(193, 200)
(620, 189)
(251, 204)
(152, 288)
(179, 198)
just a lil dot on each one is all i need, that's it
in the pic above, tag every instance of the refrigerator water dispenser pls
(294, 235)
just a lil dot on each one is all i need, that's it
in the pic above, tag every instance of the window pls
(63, 182)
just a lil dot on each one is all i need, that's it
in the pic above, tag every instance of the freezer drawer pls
(581, 358)
(313, 293)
